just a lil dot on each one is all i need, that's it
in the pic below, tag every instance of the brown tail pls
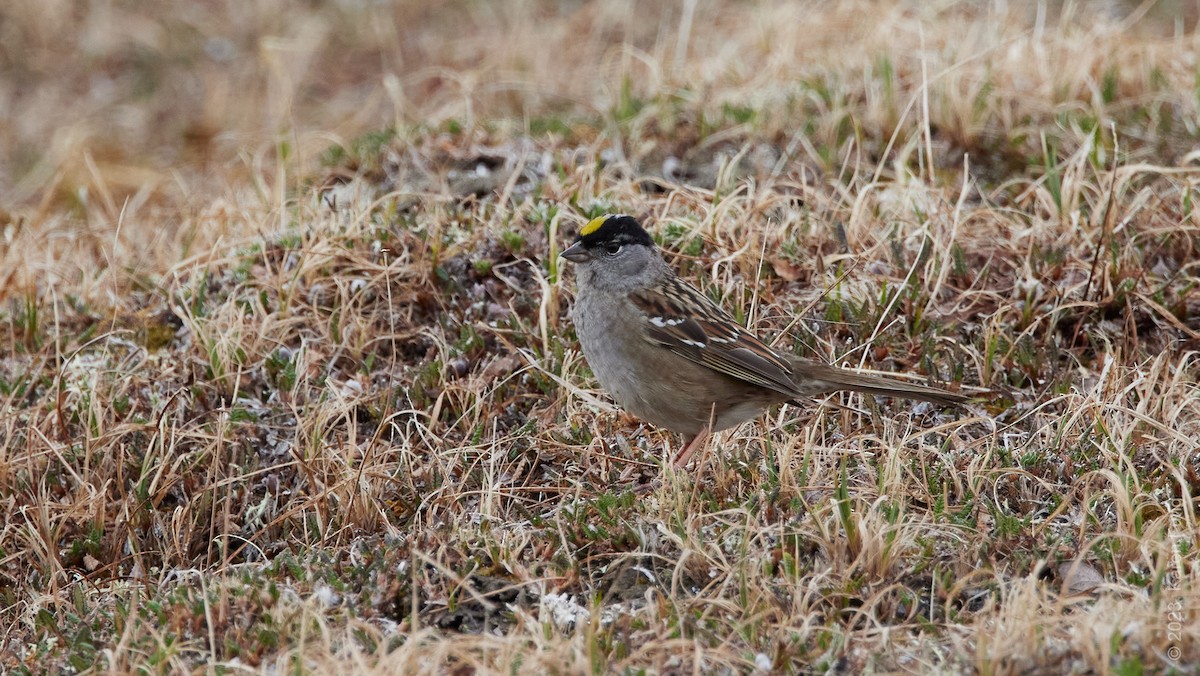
(814, 378)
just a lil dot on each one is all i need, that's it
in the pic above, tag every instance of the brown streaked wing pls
(683, 320)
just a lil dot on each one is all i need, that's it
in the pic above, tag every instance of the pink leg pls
(696, 442)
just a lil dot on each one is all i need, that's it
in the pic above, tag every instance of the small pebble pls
(459, 366)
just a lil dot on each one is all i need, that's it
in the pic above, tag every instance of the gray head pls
(615, 253)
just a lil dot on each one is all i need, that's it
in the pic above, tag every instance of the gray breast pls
(649, 381)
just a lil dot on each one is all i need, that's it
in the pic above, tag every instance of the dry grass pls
(281, 390)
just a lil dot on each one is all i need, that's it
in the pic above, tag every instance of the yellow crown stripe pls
(593, 225)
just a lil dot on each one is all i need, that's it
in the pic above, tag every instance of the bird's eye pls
(613, 249)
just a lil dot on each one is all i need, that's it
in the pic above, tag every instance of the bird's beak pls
(576, 253)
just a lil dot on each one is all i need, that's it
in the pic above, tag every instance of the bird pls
(675, 359)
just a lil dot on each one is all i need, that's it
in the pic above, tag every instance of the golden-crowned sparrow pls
(672, 357)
